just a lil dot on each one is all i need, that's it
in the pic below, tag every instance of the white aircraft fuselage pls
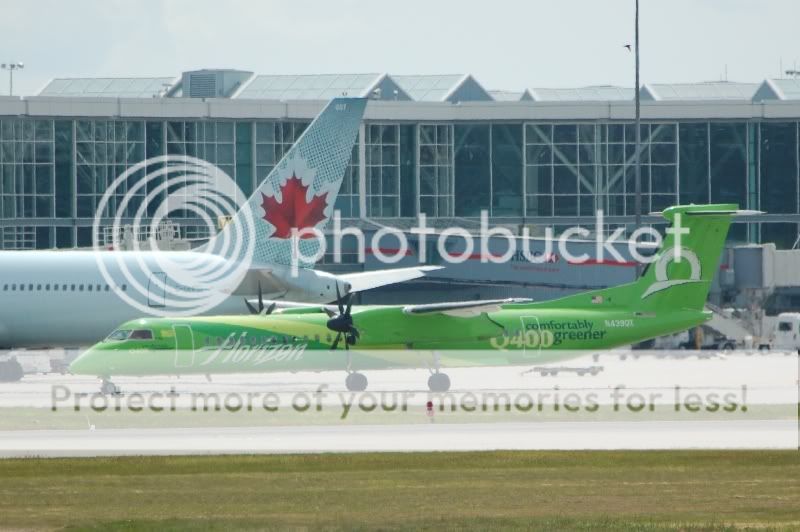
(62, 299)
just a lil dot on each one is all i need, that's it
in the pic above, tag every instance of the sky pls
(505, 44)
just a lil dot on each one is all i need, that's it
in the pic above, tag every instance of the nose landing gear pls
(109, 388)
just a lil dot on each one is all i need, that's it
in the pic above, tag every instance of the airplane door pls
(531, 336)
(157, 290)
(184, 346)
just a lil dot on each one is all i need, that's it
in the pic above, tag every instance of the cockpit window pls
(119, 335)
(141, 334)
(785, 326)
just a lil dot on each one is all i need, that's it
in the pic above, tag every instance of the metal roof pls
(108, 87)
(429, 88)
(708, 90)
(450, 88)
(778, 89)
(507, 96)
(308, 86)
(599, 93)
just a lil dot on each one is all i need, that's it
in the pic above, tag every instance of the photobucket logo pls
(140, 201)
(455, 245)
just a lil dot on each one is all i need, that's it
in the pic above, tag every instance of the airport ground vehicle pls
(786, 334)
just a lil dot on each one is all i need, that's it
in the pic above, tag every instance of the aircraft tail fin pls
(300, 191)
(684, 267)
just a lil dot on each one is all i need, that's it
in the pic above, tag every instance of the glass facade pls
(53, 172)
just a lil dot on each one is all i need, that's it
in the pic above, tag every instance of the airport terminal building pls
(442, 145)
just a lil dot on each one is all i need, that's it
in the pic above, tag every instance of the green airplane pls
(669, 297)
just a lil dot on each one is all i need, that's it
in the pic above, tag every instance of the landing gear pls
(356, 382)
(109, 388)
(438, 382)
(11, 370)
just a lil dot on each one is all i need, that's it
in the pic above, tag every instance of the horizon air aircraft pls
(669, 297)
(73, 298)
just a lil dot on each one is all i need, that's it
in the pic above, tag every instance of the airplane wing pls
(366, 280)
(465, 309)
(272, 286)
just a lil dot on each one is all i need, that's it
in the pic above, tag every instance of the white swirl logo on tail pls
(175, 284)
(663, 281)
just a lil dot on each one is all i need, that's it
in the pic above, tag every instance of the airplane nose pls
(80, 366)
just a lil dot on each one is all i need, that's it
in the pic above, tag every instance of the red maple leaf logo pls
(293, 211)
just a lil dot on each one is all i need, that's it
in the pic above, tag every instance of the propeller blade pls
(260, 298)
(339, 299)
(252, 309)
(336, 341)
(349, 304)
(271, 309)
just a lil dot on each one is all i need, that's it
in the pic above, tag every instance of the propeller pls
(260, 309)
(342, 323)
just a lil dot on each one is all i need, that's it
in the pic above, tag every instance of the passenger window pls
(80, 288)
(30, 287)
(5, 287)
(13, 287)
(72, 288)
(55, 287)
(106, 288)
(316, 338)
(219, 340)
(47, 287)
(99, 287)
(124, 287)
(38, 287)
(22, 288)
(89, 287)
(141, 334)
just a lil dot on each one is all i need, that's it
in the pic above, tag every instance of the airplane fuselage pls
(75, 298)
(517, 334)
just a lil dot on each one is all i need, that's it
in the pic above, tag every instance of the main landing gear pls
(109, 388)
(356, 382)
(11, 370)
(438, 381)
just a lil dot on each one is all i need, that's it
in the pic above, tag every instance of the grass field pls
(497, 490)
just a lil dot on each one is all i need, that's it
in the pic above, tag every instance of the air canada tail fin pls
(682, 271)
(300, 191)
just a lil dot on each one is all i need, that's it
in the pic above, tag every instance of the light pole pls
(637, 120)
(11, 67)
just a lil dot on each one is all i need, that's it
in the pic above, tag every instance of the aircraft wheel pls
(356, 382)
(11, 371)
(439, 382)
(109, 388)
